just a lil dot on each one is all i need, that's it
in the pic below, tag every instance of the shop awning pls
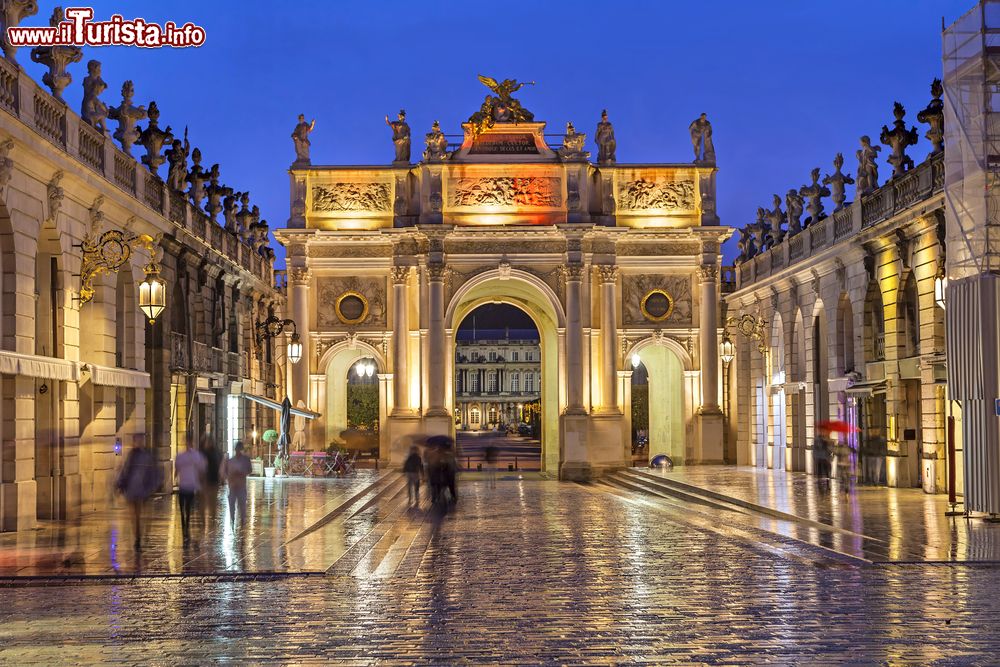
(108, 376)
(864, 389)
(274, 405)
(32, 365)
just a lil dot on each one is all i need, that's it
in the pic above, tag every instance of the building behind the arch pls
(608, 258)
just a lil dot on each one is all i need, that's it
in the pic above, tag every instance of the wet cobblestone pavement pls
(530, 572)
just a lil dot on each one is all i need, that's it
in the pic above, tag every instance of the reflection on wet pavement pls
(531, 572)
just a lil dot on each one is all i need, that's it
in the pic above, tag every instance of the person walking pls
(190, 467)
(210, 492)
(490, 458)
(234, 472)
(414, 469)
(138, 479)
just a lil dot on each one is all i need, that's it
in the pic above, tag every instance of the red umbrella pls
(836, 426)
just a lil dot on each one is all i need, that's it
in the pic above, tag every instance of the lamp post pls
(152, 293)
(727, 352)
(940, 287)
(273, 327)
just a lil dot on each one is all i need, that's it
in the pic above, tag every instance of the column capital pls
(708, 272)
(573, 272)
(400, 274)
(298, 275)
(437, 272)
(609, 273)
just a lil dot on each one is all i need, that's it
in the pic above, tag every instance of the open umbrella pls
(836, 426)
(285, 427)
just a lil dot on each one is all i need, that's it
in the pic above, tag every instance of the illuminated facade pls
(840, 322)
(496, 373)
(83, 380)
(606, 258)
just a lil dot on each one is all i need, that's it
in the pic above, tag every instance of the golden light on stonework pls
(351, 307)
(657, 305)
(152, 293)
(727, 351)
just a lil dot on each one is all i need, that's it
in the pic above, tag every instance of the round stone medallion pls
(657, 305)
(352, 308)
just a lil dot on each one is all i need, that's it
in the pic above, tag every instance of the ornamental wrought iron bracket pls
(751, 327)
(273, 327)
(108, 253)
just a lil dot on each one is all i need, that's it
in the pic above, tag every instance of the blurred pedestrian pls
(821, 453)
(414, 469)
(434, 470)
(490, 459)
(190, 468)
(234, 471)
(138, 479)
(209, 500)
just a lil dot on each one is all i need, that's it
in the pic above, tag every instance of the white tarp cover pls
(31, 365)
(118, 377)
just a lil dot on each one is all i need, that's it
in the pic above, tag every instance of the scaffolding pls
(971, 61)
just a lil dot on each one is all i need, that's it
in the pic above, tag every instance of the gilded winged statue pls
(500, 109)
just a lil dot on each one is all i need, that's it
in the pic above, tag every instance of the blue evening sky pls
(786, 84)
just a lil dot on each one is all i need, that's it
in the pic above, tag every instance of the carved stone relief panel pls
(350, 250)
(658, 249)
(352, 197)
(344, 294)
(673, 290)
(505, 192)
(503, 245)
(660, 195)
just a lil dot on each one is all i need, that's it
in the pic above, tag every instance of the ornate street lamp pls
(294, 349)
(727, 351)
(272, 327)
(152, 293)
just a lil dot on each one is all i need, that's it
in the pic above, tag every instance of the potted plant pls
(270, 436)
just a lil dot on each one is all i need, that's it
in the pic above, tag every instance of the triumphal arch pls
(614, 262)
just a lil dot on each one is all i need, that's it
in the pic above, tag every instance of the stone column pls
(709, 337)
(609, 337)
(400, 341)
(436, 342)
(299, 279)
(574, 339)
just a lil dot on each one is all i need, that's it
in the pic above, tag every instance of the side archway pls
(334, 366)
(666, 362)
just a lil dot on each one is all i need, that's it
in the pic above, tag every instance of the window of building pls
(514, 355)
(474, 382)
(529, 382)
(474, 416)
(515, 381)
(493, 355)
(492, 382)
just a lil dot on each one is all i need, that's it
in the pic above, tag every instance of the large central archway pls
(526, 292)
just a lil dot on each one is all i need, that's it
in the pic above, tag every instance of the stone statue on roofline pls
(759, 232)
(300, 137)
(701, 139)
(573, 144)
(197, 177)
(244, 217)
(153, 140)
(128, 117)
(605, 138)
(56, 58)
(775, 219)
(898, 139)
(215, 192)
(933, 116)
(229, 212)
(400, 137)
(745, 244)
(500, 109)
(93, 110)
(867, 166)
(793, 212)
(814, 193)
(837, 180)
(13, 12)
(437, 144)
(177, 159)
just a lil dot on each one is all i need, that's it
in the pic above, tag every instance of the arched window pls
(845, 334)
(874, 323)
(909, 313)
